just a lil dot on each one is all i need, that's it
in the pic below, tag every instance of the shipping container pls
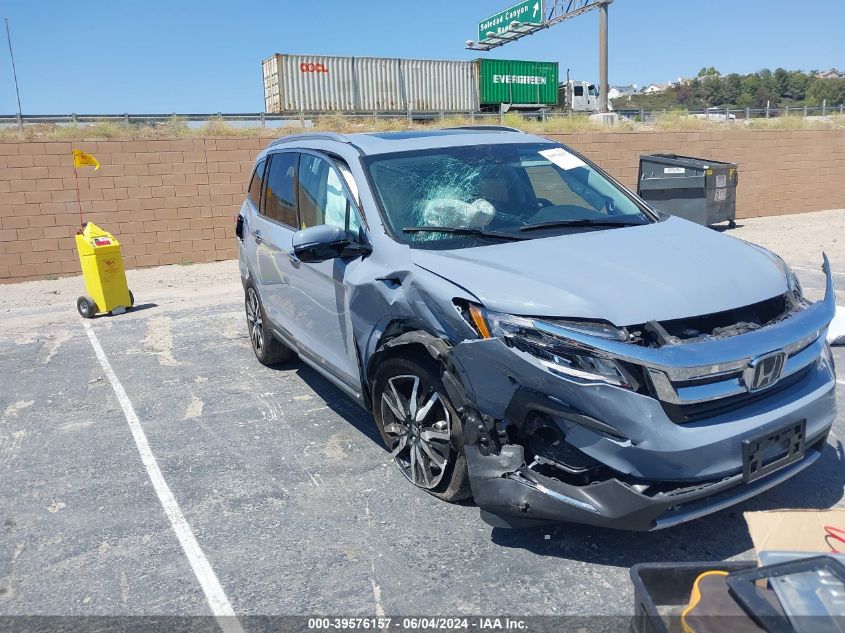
(317, 83)
(440, 86)
(517, 83)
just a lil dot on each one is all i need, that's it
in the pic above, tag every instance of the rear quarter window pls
(256, 183)
(280, 196)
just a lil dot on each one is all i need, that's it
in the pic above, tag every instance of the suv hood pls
(668, 270)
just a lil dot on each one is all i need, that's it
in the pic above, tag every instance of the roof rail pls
(313, 136)
(489, 128)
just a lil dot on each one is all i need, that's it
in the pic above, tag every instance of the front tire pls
(267, 348)
(420, 427)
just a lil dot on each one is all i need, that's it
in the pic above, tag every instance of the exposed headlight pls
(557, 353)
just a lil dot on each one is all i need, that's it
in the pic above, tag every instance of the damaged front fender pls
(404, 307)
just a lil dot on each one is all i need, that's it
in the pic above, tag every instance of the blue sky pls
(190, 56)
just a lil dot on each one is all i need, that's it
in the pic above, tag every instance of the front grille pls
(682, 413)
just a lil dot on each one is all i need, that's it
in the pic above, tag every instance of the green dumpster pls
(696, 189)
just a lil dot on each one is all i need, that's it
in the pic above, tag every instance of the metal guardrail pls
(265, 119)
(738, 113)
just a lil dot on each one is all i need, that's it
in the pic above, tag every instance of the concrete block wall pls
(780, 171)
(173, 201)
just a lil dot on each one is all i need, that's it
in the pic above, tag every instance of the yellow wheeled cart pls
(102, 271)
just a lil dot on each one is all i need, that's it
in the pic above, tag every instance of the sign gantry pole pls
(603, 82)
(531, 16)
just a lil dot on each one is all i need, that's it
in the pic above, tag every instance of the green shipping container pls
(517, 82)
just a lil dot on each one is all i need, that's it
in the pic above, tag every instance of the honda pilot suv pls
(527, 331)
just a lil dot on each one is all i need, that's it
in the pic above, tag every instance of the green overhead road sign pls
(526, 12)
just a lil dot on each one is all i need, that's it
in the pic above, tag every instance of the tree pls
(712, 89)
(732, 88)
(696, 90)
(745, 99)
(830, 90)
(767, 80)
(782, 82)
(685, 97)
(764, 97)
(754, 90)
(798, 84)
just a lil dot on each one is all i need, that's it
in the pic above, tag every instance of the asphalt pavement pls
(283, 483)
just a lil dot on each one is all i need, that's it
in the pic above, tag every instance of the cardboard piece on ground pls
(797, 530)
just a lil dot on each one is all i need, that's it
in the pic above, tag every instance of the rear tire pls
(420, 427)
(268, 349)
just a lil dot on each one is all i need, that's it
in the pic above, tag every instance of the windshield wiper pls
(457, 230)
(554, 224)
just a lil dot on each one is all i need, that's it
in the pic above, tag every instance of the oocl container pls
(318, 83)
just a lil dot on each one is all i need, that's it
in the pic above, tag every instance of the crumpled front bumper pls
(510, 494)
(697, 466)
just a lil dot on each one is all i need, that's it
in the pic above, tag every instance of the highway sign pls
(528, 12)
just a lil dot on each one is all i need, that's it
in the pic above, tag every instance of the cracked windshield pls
(477, 195)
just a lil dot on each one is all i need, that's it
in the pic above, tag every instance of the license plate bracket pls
(772, 451)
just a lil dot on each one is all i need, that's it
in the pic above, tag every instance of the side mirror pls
(323, 242)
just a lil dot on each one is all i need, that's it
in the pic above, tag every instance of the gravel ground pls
(176, 282)
(800, 238)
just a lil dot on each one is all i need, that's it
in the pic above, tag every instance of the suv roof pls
(409, 140)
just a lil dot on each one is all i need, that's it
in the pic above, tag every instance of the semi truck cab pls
(579, 96)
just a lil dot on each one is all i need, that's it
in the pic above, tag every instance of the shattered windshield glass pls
(507, 189)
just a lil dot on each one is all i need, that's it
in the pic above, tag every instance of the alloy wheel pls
(254, 320)
(418, 424)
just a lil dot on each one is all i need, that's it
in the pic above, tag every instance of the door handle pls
(257, 235)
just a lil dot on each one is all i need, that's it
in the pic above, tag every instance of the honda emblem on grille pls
(764, 371)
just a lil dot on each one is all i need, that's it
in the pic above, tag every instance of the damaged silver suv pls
(527, 331)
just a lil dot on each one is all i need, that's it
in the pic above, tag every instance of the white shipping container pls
(317, 83)
(440, 86)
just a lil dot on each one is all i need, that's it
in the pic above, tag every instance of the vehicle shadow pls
(339, 402)
(725, 228)
(716, 537)
(132, 310)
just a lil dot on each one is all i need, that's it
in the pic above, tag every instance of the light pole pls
(15, 75)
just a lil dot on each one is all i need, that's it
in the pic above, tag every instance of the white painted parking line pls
(840, 382)
(221, 608)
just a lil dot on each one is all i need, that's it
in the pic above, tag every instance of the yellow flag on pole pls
(81, 159)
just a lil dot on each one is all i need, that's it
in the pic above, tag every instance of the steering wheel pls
(593, 198)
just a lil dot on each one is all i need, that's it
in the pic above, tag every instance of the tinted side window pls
(279, 198)
(579, 91)
(322, 199)
(256, 184)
